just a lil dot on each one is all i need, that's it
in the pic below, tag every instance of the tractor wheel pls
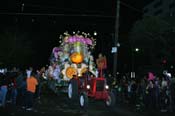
(110, 101)
(73, 89)
(83, 100)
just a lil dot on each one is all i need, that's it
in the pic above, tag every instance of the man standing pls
(31, 89)
(29, 71)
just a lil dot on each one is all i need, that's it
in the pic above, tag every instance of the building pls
(160, 8)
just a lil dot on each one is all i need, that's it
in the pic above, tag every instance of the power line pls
(46, 7)
(59, 14)
(58, 8)
(71, 9)
(131, 7)
(67, 9)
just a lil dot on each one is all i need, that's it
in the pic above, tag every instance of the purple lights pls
(83, 40)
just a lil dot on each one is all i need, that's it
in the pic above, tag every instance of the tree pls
(154, 35)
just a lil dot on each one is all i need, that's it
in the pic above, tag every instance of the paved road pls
(51, 104)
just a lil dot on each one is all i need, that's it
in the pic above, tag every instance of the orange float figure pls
(101, 64)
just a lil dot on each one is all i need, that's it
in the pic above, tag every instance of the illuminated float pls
(72, 66)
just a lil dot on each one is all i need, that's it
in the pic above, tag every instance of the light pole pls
(116, 36)
(134, 50)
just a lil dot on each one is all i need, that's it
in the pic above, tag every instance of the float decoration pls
(76, 57)
(73, 55)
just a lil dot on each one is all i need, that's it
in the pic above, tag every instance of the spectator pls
(23, 92)
(31, 89)
(172, 94)
(29, 71)
(3, 90)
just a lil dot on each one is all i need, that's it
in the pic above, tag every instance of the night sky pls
(44, 20)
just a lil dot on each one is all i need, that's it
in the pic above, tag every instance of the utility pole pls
(116, 37)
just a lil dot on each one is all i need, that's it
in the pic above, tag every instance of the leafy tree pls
(154, 36)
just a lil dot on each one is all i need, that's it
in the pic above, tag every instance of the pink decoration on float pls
(83, 40)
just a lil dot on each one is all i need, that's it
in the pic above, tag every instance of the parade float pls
(73, 70)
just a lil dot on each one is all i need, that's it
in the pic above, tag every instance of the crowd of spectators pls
(156, 93)
(148, 92)
(20, 87)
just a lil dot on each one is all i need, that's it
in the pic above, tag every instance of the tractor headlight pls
(88, 86)
(106, 87)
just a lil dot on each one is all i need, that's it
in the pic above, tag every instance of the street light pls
(95, 33)
(137, 49)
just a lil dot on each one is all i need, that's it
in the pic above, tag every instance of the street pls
(51, 104)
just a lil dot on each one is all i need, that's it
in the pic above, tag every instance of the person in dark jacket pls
(3, 89)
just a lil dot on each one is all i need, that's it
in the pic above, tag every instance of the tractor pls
(86, 87)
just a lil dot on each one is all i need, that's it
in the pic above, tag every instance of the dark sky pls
(130, 10)
(44, 20)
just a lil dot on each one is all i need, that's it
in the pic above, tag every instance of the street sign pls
(114, 50)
